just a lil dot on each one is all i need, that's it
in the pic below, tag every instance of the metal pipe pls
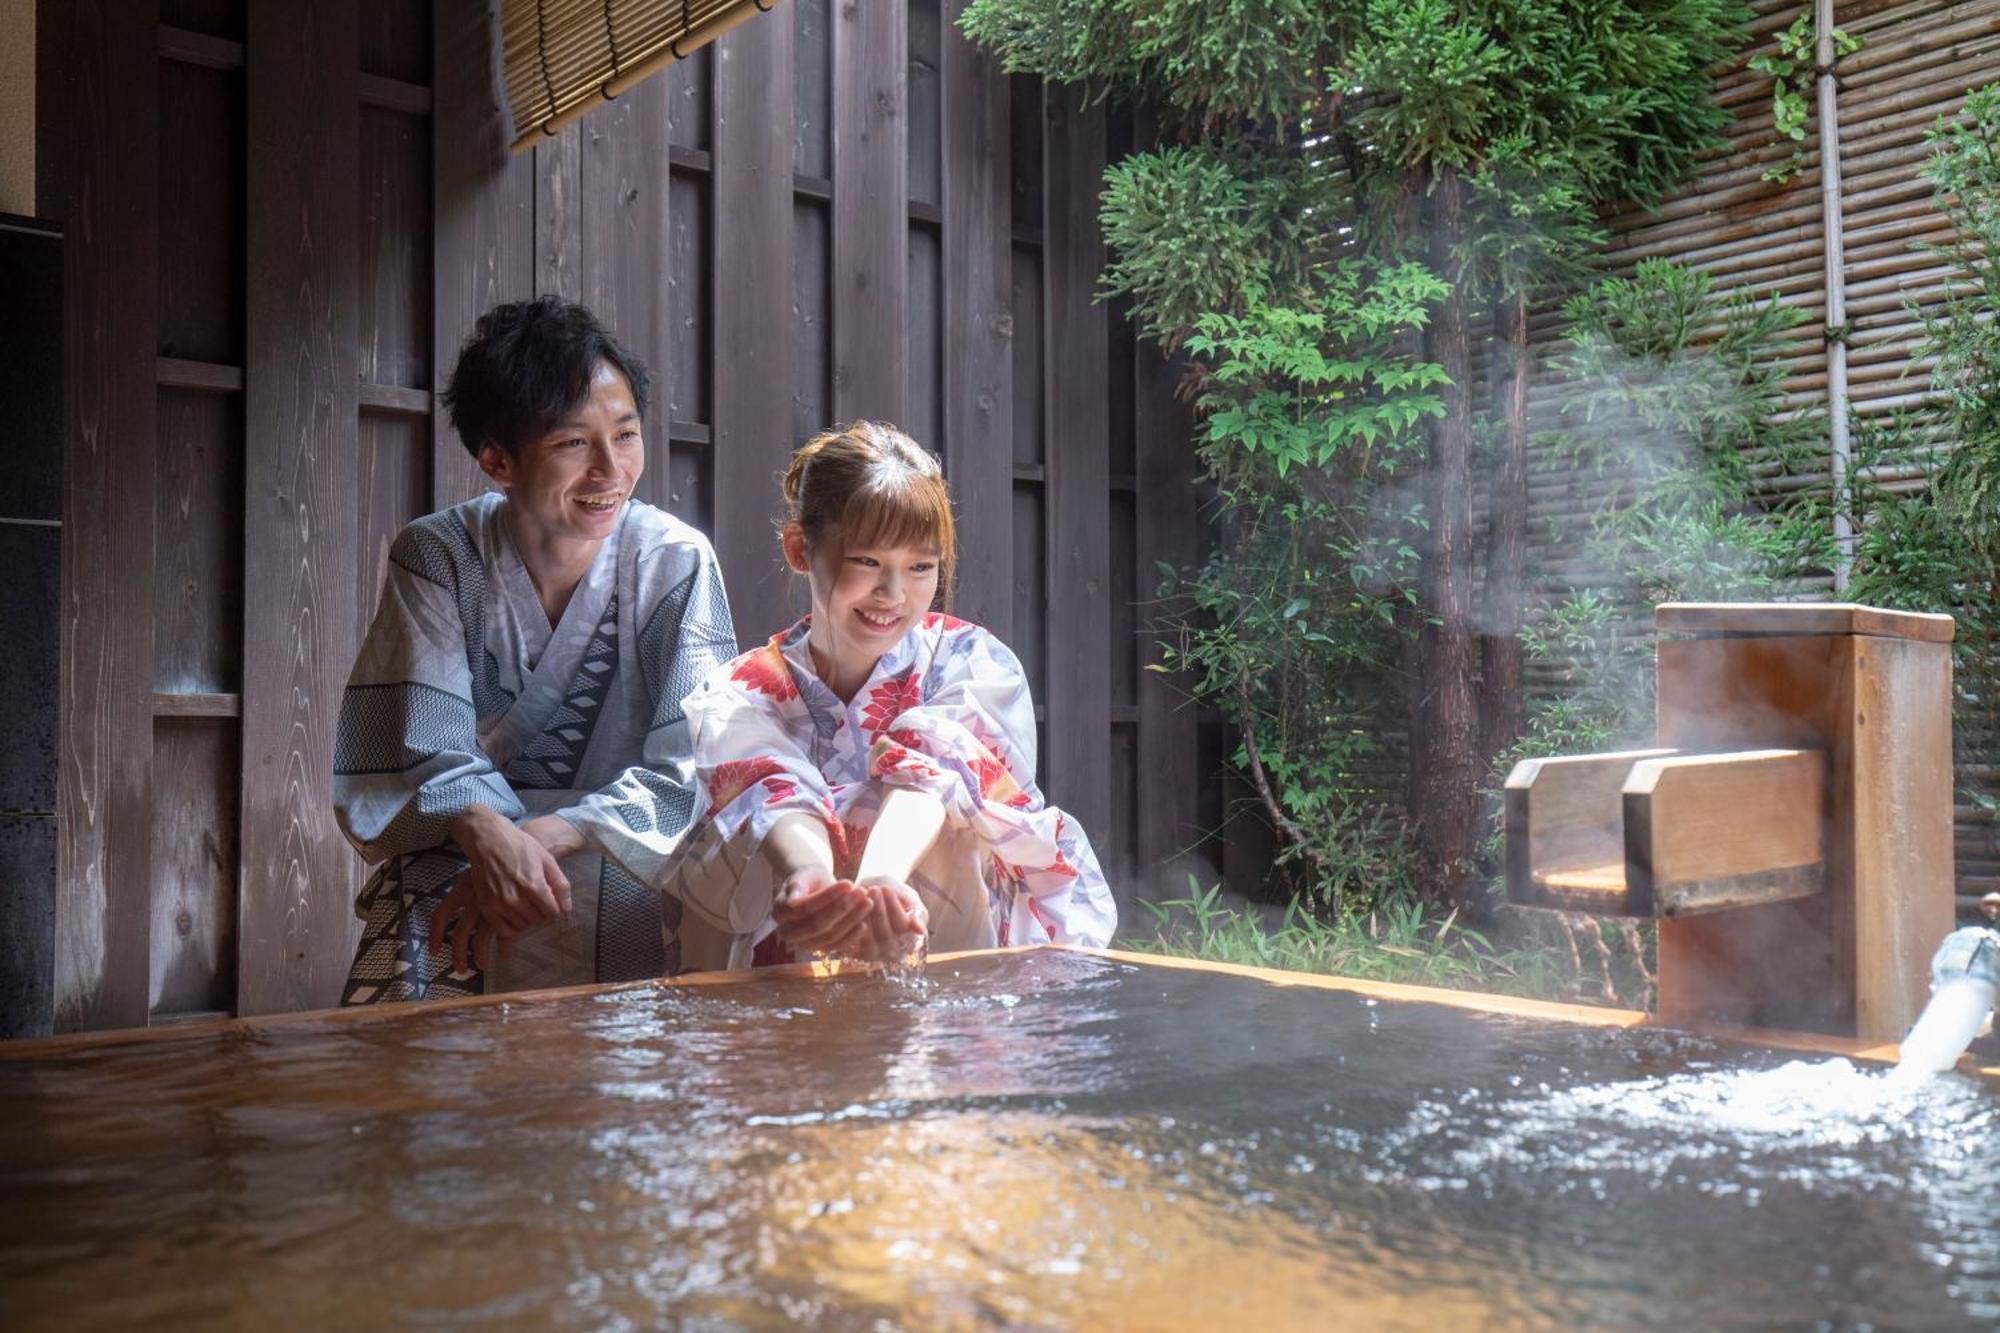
(1836, 288)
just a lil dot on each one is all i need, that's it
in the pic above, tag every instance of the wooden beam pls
(483, 199)
(1903, 855)
(110, 313)
(181, 704)
(870, 217)
(1800, 618)
(179, 373)
(752, 256)
(1706, 832)
(394, 398)
(978, 324)
(1565, 844)
(301, 405)
(1079, 574)
(394, 95)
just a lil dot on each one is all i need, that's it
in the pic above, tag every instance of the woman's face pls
(571, 484)
(865, 598)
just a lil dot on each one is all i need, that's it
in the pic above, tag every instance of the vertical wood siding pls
(286, 218)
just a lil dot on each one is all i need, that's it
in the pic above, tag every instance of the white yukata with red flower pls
(947, 711)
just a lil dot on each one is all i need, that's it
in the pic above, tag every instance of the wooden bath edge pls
(1479, 1001)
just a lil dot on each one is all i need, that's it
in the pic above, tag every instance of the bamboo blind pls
(1755, 237)
(563, 57)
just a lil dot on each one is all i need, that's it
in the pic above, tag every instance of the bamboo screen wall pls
(1752, 236)
(284, 217)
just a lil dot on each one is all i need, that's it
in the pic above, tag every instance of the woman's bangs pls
(912, 511)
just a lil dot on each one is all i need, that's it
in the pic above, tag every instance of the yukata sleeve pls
(638, 818)
(965, 732)
(407, 760)
(750, 733)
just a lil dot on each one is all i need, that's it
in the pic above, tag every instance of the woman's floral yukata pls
(947, 711)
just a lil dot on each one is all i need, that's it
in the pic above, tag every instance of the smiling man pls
(511, 753)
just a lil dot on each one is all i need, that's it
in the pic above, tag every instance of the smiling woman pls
(869, 772)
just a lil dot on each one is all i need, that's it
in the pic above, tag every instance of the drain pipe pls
(1836, 289)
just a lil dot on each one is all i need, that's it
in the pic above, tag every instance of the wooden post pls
(870, 211)
(1079, 481)
(753, 319)
(978, 328)
(110, 312)
(301, 405)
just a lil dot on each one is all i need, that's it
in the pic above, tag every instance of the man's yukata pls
(464, 694)
(947, 710)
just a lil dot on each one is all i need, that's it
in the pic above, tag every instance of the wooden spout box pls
(1792, 834)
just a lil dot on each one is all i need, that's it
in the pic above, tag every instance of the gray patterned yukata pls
(464, 694)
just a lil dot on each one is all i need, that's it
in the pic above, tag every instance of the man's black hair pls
(526, 366)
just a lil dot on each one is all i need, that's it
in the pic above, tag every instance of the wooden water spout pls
(1792, 834)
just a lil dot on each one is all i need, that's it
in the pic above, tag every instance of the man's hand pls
(815, 912)
(512, 883)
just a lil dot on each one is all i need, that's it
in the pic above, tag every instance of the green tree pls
(1310, 145)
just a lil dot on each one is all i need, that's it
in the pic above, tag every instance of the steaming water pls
(1042, 1140)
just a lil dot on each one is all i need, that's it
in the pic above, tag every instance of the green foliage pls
(1672, 406)
(1217, 62)
(1965, 168)
(1308, 416)
(1396, 941)
(1792, 69)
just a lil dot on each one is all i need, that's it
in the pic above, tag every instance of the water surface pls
(1034, 1140)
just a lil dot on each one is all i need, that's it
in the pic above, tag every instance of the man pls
(511, 748)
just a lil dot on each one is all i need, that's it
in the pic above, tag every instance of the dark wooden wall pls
(284, 217)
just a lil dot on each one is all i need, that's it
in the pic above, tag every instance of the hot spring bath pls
(1039, 1139)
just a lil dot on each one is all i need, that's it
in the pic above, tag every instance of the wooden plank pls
(559, 214)
(199, 49)
(1800, 618)
(193, 920)
(1030, 368)
(1028, 636)
(1079, 611)
(689, 287)
(393, 398)
(483, 200)
(812, 91)
(172, 372)
(202, 214)
(624, 233)
(197, 536)
(870, 198)
(1564, 815)
(184, 704)
(395, 278)
(923, 339)
(1902, 827)
(924, 142)
(812, 333)
(394, 95)
(978, 339)
(1708, 832)
(753, 264)
(110, 312)
(298, 874)
(395, 41)
(393, 474)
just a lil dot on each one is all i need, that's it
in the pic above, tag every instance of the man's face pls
(572, 482)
